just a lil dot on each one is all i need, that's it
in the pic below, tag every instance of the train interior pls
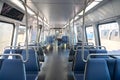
(59, 39)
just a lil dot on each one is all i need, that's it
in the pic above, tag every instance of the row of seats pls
(79, 64)
(50, 39)
(39, 51)
(65, 39)
(102, 69)
(31, 67)
(90, 51)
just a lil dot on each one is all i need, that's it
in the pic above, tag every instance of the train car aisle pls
(56, 66)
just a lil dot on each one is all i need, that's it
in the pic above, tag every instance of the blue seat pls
(32, 65)
(79, 76)
(13, 51)
(50, 39)
(117, 70)
(65, 39)
(40, 55)
(12, 69)
(71, 55)
(111, 67)
(97, 69)
(79, 65)
(97, 51)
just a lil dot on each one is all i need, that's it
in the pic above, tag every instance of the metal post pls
(37, 31)
(83, 30)
(26, 41)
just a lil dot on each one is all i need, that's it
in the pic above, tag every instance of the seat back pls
(117, 70)
(97, 51)
(12, 69)
(111, 67)
(13, 51)
(71, 55)
(79, 65)
(32, 65)
(40, 55)
(65, 39)
(96, 69)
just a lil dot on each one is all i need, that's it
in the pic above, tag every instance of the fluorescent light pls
(30, 11)
(76, 17)
(66, 25)
(71, 21)
(40, 19)
(81, 13)
(45, 19)
(99, 0)
(46, 23)
(93, 4)
(19, 4)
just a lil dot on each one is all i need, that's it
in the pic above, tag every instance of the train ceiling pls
(58, 12)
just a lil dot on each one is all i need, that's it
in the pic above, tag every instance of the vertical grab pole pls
(83, 30)
(26, 41)
(69, 35)
(37, 31)
(74, 24)
(43, 28)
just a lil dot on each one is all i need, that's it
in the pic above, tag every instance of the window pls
(6, 31)
(21, 34)
(90, 35)
(34, 34)
(111, 39)
(116, 33)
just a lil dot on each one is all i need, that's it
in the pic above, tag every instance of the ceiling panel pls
(58, 12)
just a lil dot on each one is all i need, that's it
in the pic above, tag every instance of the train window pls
(116, 33)
(34, 33)
(21, 34)
(6, 31)
(90, 34)
(111, 39)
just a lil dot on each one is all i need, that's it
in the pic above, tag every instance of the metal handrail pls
(88, 48)
(13, 55)
(28, 43)
(98, 47)
(13, 47)
(35, 46)
(101, 54)
(19, 54)
(77, 47)
(87, 42)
